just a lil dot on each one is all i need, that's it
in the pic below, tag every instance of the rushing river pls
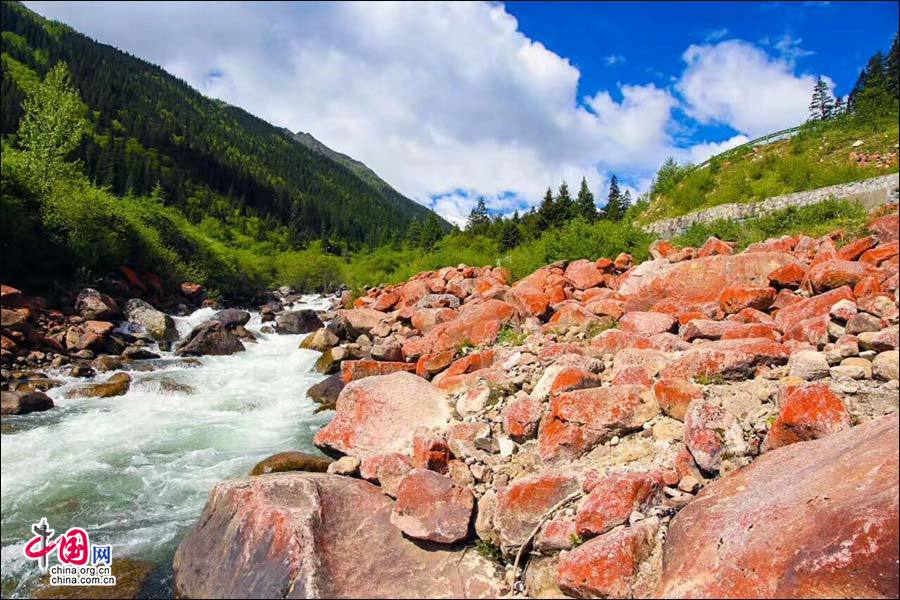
(135, 470)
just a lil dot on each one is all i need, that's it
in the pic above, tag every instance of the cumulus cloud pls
(698, 153)
(738, 84)
(446, 102)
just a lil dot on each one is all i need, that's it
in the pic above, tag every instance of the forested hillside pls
(147, 127)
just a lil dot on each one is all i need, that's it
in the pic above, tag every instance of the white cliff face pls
(135, 470)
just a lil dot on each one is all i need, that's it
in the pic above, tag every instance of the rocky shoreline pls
(706, 423)
(703, 424)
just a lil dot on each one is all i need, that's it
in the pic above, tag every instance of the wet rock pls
(116, 385)
(351, 323)
(814, 519)
(131, 576)
(807, 412)
(22, 403)
(316, 536)
(353, 370)
(607, 566)
(212, 338)
(107, 363)
(138, 353)
(231, 318)
(298, 321)
(291, 461)
(326, 392)
(81, 370)
(430, 507)
(159, 325)
(380, 414)
(94, 306)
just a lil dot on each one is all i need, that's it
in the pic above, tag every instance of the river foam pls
(135, 470)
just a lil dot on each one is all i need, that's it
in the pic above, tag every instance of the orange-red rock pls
(631, 375)
(614, 340)
(583, 274)
(380, 414)
(613, 499)
(714, 246)
(429, 364)
(854, 249)
(573, 378)
(479, 324)
(606, 566)
(824, 518)
(426, 319)
(706, 428)
(807, 412)
(351, 370)
(521, 418)
(430, 452)
(430, 507)
(523, 503)
(788, 276)
(577, 421)
(387, 470)
(675, 395)
(735, 298)
(646, 323)
(878, 255)
(791, 315)
(832, 274)
(885, 228)
(471, 362)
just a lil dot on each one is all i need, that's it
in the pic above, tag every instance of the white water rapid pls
(135, 470)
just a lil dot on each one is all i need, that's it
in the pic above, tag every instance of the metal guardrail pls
(766, 139)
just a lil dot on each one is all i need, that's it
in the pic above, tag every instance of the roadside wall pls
(868, 192)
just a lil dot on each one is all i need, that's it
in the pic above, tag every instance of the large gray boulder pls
(297, 321)
(210, 337)
(158, 324)
(316, 535)
(232, 318)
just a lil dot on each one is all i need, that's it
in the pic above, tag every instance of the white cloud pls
(614, 59)
(790, 50)
(738, 84)
(716, 34)
(698, 153)
(445, 102)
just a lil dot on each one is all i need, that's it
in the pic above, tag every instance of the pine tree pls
(584, 202)
(565, 206)
(478, 218)
(872, 85)
(510, 234)
(892, 66)
(547, 214)
(839, 106)
(614, 211)
(431, 232)
(626, 202)
(820, 106)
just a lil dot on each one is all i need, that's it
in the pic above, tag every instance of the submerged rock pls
(291, 461)
(298, 321)
(116, 385)
(22, 403)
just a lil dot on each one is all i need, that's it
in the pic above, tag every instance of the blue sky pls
(448, 102)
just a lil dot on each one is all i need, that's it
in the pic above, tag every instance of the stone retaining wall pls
(868, 192)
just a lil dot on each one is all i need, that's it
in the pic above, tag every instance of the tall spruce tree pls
(820, 106)
(614, 211)
(892, 66)
(479, 219)
(547, 212)
(565, 206)
(584, 202)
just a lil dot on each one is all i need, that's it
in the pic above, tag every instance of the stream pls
(135, 470)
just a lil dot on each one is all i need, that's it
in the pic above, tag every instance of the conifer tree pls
(431, 232)
(820, 106)
(547, 210)
(614, 210)
(478, 217)
(565, 206)
(892, 66)
(584, 202)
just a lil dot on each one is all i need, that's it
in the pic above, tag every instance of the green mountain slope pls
(209, 158)
(818, 155)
